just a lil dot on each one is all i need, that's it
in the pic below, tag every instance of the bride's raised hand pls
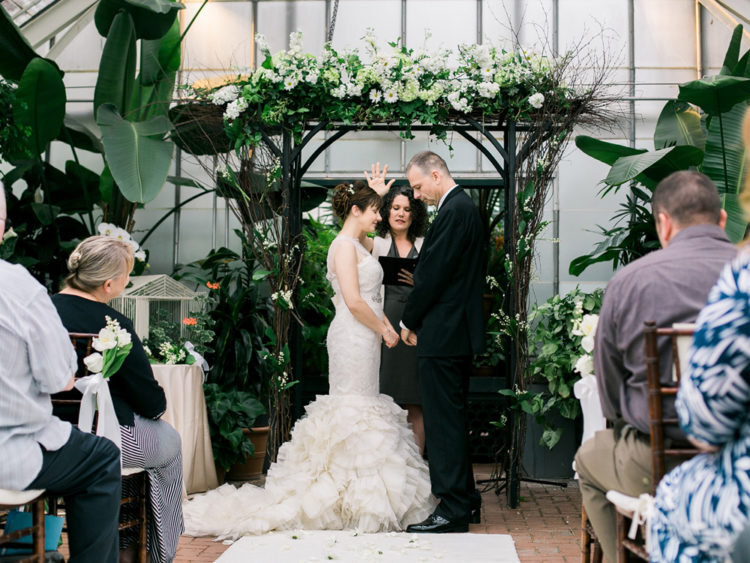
(376, 179)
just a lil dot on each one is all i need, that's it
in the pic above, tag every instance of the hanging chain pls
(333, 20)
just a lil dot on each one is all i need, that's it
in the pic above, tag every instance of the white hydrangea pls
(459, 103)
(295, 42)
(260, 41)
(234, 109)
(536, 100)
(225, 95)
(488, 89)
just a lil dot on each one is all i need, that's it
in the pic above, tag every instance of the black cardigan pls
(133, 388)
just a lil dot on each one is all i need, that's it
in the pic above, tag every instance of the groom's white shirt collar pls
(442, 199)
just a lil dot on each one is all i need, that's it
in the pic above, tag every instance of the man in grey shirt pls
(38, 450)
(667, 286)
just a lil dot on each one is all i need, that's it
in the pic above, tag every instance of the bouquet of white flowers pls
(112, 346)
(585, 389)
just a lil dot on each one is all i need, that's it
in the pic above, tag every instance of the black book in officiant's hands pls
(392, 266)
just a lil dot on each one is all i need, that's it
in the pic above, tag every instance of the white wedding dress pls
(351, 462)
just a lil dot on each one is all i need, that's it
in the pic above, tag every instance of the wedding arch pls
(523, 106)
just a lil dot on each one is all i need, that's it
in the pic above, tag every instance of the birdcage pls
(149, 294)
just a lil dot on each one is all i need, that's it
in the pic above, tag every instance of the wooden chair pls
(15, 499)
(591, 549)
(133, 504)
(657, 393)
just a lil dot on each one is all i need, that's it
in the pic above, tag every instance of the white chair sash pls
(199, 360)
(96, 396)
(587, 392)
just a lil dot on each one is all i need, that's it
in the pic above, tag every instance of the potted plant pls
(231, 419)
(555, 349)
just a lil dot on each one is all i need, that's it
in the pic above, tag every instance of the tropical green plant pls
(14, 138)
(554, 348)
(710, 141)
(58, 206)
(229, 411)
(314, 300)
(239, 309)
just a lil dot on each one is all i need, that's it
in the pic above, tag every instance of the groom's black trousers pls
(444, 386)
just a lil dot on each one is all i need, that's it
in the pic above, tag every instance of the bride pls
(352, 461)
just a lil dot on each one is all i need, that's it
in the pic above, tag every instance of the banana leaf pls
(651, 167)
(42, 92)
(724, 163)
(716, 94)
(15, 51)
(603, 151)
(116, 79)
(679, 124)
(151, 18)
(732, 56)
(137, 156)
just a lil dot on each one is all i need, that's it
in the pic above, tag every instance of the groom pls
(445, 308)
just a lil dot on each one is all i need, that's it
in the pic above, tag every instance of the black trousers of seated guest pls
(86, 473)
(444, 387)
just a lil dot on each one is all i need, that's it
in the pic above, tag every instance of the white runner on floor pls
(350, 546)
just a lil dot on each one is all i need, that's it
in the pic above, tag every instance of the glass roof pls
(23, 10)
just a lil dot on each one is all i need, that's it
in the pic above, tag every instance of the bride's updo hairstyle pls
(346, 196)
(96, 260)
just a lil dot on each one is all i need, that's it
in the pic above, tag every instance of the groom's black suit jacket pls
(445, 307)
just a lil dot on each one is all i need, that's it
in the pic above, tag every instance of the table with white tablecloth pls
(186, 412)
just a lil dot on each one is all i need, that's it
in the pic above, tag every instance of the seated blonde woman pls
(99, 271)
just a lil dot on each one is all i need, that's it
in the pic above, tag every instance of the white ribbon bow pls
(199, 360)
(587, 392)
(96, 396)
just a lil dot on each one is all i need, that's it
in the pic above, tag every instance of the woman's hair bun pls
(348, 194)
(74, 261)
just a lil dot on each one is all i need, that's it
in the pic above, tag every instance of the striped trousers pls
(155, 446)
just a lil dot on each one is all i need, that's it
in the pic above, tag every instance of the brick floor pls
(545, 527)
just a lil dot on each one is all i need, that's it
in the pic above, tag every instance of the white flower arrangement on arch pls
(585, 327)
(395, 84)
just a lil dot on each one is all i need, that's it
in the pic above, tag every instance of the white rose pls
(585, 365)
(588, 325)
(94, 362)
(587, 343)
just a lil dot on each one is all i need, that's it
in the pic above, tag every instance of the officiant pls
(399, 241)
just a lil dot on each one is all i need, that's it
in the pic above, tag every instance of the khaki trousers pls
(604, 463)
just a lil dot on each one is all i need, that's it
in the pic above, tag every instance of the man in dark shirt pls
(668, 286)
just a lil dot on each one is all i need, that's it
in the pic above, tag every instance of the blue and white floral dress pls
(704, 504)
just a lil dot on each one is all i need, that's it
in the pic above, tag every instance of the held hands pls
(409, 337)
(390, 337)
(377, 180)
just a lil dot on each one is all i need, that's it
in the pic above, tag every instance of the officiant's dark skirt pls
(398, 365)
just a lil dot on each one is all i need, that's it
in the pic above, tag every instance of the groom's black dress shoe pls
(436, 524)
(475, 515)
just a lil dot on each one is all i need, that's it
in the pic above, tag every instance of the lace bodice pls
(353, 348)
